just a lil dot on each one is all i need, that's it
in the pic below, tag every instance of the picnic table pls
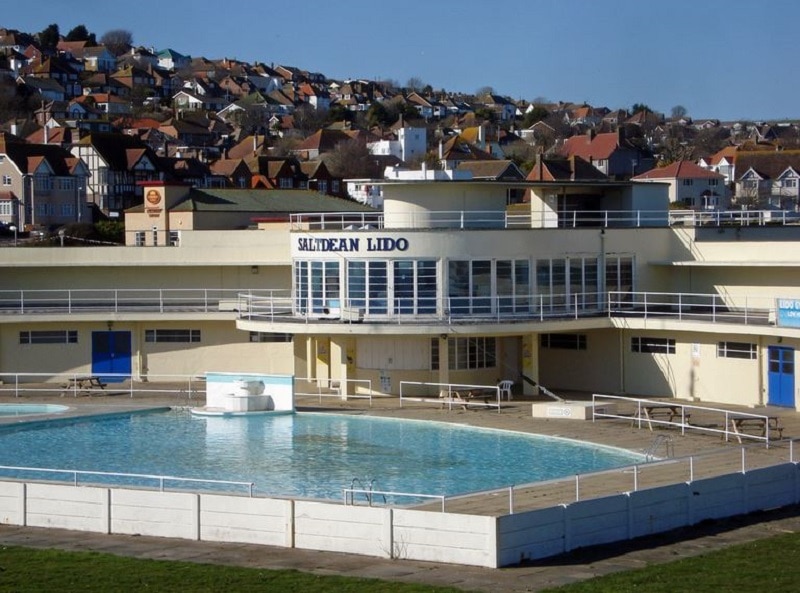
(760, 426)
(84, 384)
(465, 396)
(660, 413)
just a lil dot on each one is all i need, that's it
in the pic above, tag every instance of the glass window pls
(645, 345)
(563, 341)
(378, 287)
(265, 337)
(743, 350)
(472, 353)
(171, 335)
(49, 337)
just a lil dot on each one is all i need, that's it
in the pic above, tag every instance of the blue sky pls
(725, 59)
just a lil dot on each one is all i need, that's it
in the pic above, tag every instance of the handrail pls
(448, 394)
(189, 386)
(503, 219)
(161, 478)
(686, 410)
(349, 492)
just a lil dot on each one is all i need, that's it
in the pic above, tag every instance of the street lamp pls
(13, 228)
(61, 234)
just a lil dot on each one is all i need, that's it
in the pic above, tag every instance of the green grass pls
(770, 565)
(25, 569)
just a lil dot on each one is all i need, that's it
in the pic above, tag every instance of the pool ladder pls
(662, 439)
(369, 493)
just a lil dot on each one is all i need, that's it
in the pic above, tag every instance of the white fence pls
(459, 538)
(451, 394)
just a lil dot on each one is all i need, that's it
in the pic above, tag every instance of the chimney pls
(46, 134)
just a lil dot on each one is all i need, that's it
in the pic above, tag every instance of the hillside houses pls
(207, 120)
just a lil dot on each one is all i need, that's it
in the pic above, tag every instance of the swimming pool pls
(30, 409)
(304, 454)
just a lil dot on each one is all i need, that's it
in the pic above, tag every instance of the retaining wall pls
(398, 533)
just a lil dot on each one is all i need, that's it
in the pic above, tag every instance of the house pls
(457, 150)
(117, 163)
(406, 144)
(320, 142)
(45, 88)
(610, 152)
(169, 59)
(690, 185)
(768, 179)
(43, 185)
(722, 162)
(236, 172)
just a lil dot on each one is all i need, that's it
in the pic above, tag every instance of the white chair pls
(505, 389)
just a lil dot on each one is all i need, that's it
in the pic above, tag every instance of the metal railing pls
(72, 384)
(126, 300)
(120, 478)
(339, 388)
(746, 310)
(450, 394)
(687, 418)
(502, 219)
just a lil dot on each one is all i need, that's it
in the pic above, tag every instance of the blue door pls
(781, 376)
(111, 353)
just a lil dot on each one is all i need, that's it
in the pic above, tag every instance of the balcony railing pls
(501, 219)
(132, 300)
(711, 308)
(279, 306)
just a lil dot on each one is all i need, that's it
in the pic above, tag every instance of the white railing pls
(450, 394)
(77, 384)
(343, 389)
(140, 480)
(502, 219)
(646, 413)
(130, 300)
(741, 309)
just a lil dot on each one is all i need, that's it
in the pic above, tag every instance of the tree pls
(49, 37)
(81, 33)
(538, 113)
(350, 159)
(484, 90)
(414, 84)
(679, 111)
(117, 41)
(637, 107)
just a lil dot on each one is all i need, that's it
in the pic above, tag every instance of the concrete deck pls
(515, 415)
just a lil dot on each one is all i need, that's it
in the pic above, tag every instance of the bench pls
(757, 426)
(83, 384)
(668, 414)
(464, 397)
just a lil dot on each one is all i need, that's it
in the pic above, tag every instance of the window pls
(174, 238)
(335, 186)
(472, 353)
(563, 341)
(49, 337)
(322, 186)
(743, 350)
(172, 335)
(645, 345)
(285, 182)
(688, 182)
(434, 354)
(67, 210)
(264, 337)
(6, 179)
(138, 238)
(6, 207)
(790, 183)
(713, 182)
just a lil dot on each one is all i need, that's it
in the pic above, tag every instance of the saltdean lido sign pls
(788, 312)
(351, 244)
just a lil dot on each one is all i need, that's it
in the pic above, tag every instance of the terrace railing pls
(502, 219)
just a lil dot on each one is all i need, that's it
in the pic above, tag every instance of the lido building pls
(577, 286)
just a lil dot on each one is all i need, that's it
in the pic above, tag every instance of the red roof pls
(599, 147)
(680, 170)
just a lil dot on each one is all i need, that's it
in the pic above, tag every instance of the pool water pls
(29, 409)
(304, 454)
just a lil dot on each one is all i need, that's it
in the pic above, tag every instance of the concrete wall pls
(474, 540)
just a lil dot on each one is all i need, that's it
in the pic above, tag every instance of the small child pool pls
(30, 409)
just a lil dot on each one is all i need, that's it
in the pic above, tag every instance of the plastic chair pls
(505, 389)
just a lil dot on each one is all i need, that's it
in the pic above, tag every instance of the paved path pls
(573, 567)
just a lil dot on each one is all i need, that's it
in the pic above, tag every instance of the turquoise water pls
(28, 409)
(303, 454)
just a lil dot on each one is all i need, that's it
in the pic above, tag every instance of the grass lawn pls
(771, 565)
